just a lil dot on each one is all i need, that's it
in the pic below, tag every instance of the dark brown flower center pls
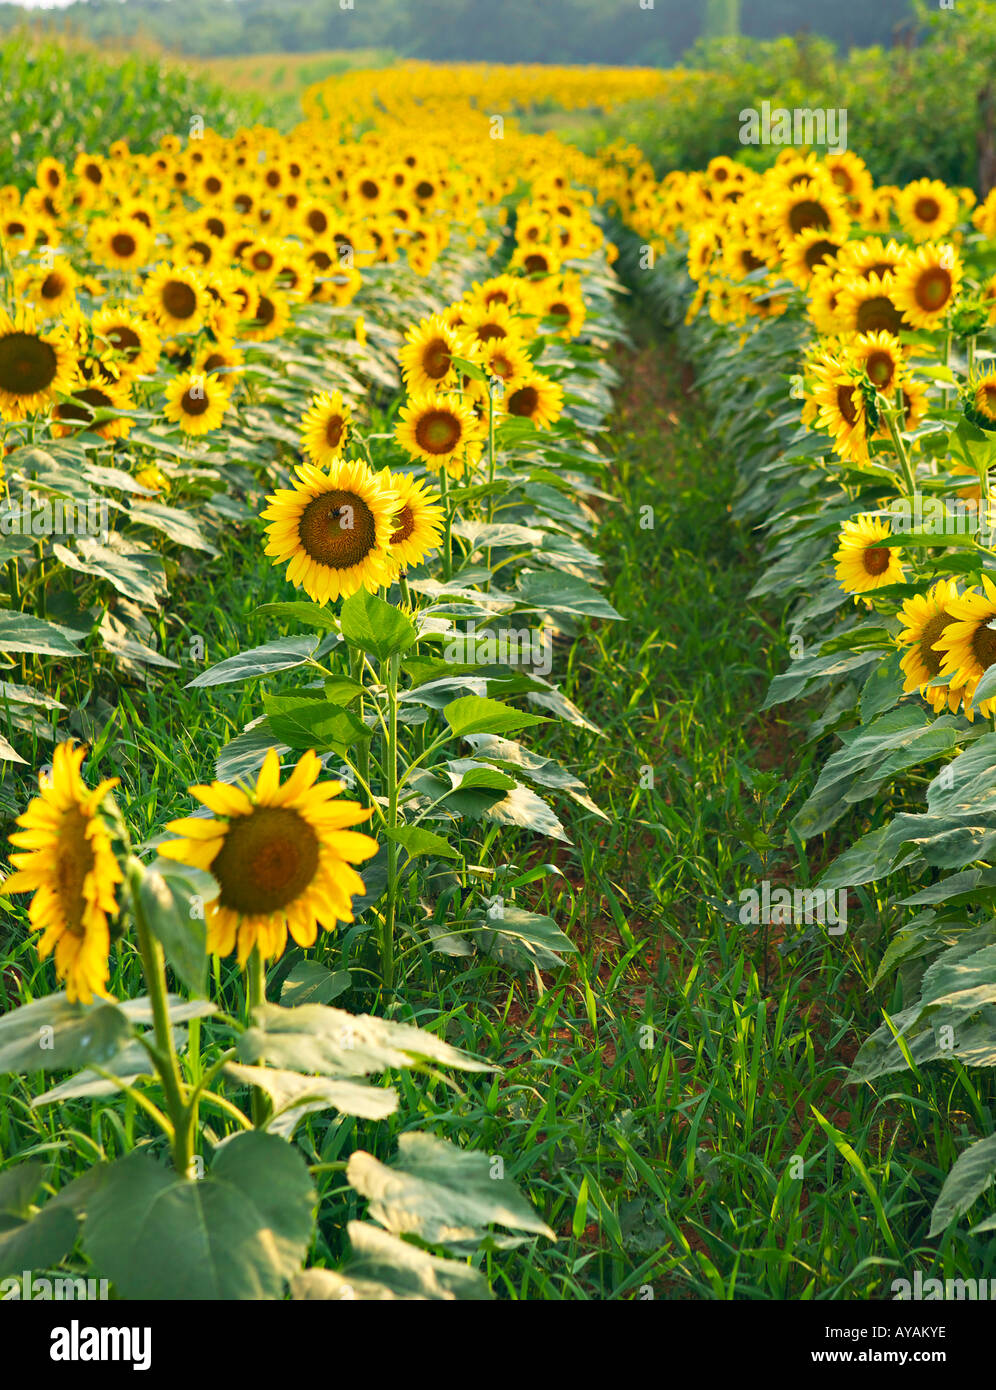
(927, 209)
(933, 288)
(179, 299)
(524, 401)
(436, 359)
(438, 432)
(52, 286)
(337, 529)
(194, 401)
(818, 252)
(931, 632)
(878, 313)
(27, 364)
(984, 645)
(123, 244)
(269, 859)
(407, 520)
(845, 403)
(74, 860)
(880, 368)
(808, 213)
(876, 561)
(334, 427)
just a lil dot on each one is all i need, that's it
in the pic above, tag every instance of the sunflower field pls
(451, 580)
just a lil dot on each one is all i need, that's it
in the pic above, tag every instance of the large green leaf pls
(282, 655)
(973, 1172)
(371, 625)
(382, 1268)
(53, 1035)
(19, 632)
(440, 1193)
(475, 714)
(317, 1039)
(238, 1233)
(173, 898)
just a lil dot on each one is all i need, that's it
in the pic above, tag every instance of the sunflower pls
(880, 356)
(220, 358)
(272, 316)
(840, 406)
(927, 209)
(69, 866)
(865, 305)
(808, 250)
(282, 857)
(427, 357)
(120, 243)
(926, 284)
(926, 616)
(334, 527)
(536, 260)
(418, 520)
(87, 398)
(538, 399)
(197, 402)
(980, 400)
(18, 230)
(860, 566)
(441, 430)
(565, 305)
(52, 289)
(35, 365)
(325, 427)
(132, 343)
(175, 297)
(806, 205)
(968, 643)
(507, 360)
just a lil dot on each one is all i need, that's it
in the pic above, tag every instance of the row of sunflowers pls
(844, 338)
(380, 356)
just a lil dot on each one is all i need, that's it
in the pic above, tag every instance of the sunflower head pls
(67, 862)
(333, 529)
(282, 856)
(862, 565)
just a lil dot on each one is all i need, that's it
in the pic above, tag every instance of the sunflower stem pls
(356, 659)
(167, 1063)
(892, 420)
(391, 673)
(444, 489)
(256, 994)
(491, 473)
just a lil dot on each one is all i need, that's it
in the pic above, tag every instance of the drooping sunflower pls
(927, 208)
(35, 364)
(926, 284)
(50, 290)
(333, 529)
(926, 617)
(325, 427)
(980, 400)
(968, 643)
(860, 566)
(881, 357)
(132, 343)
(282, 857)
(197, 401)
(67, 862)
(418, 521)
(538, 399)
(427, 357)
(442, 430)
(175, 297)
(841, 407)
(90, 395)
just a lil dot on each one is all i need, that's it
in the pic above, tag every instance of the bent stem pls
(165, 1058)
(892, 418)
(444, 489)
